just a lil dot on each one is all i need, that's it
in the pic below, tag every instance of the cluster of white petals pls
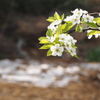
(79, 12)
(73, 19)
(52, 38)
(68, 42)
(88, 18)
(57, 50)
(77, 16)
(54, 25)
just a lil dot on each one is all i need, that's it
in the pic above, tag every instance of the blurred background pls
(25, 71)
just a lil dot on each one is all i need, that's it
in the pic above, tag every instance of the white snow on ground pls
(42, 74)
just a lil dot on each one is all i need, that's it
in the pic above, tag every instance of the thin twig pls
(94, 13)
(84, 30)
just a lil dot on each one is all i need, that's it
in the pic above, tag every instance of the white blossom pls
(88, 18)
(90, 36)
(74, 19)
(68, 18)
(77, 12)
(54, 25)
(62, 37)
(68, 45)
(97, 35)
(72, 51)
(71, 39)
(52, 38)
(57, 50)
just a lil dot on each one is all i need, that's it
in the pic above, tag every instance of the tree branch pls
(94, 13)
(84, 30)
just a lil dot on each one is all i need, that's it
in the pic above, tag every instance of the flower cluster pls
(67, 43)
(58, 38)
(78, 16)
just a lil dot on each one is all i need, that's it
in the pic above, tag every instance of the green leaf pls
(62, 27)
(49, 32)
(97, 20)
(56, 16)
(62, 16)
(92, 25)
(46, 46)
(44, 41)
(74, 46)
(76, 56)
(79, 28)
(68, 26)
(93, 32)
(49, 53)
(51, 19)
(42, 38)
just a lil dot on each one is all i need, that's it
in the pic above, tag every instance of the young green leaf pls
(49, 32)
(44, 41)
(46, 46)
(93, 32)
(51, 19)
(68, 26)
(42, 38)
(76, 56)
(49, 53)
(97, 20)
(56, 16)
(62, 16)
(92, 25)
(79, 28)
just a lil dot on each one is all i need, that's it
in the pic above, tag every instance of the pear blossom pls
(62, 37)
(52, 38)
(72, 51)
(71, 39)
(57, 50)
(53, 26)
(97, 35)
(88, 18)
(77, 12)
(68, 18)
(74, 19)
(68, 45)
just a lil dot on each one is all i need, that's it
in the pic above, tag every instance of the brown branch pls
(84, 30)
(90, 29)
(94, 13)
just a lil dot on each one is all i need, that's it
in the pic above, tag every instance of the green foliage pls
(49, 53)
(97, 20)
(46, 46)
(68, 26)
(79, 28)
(93, 32)
(94, 54)
(58, 39)
(92, 25)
